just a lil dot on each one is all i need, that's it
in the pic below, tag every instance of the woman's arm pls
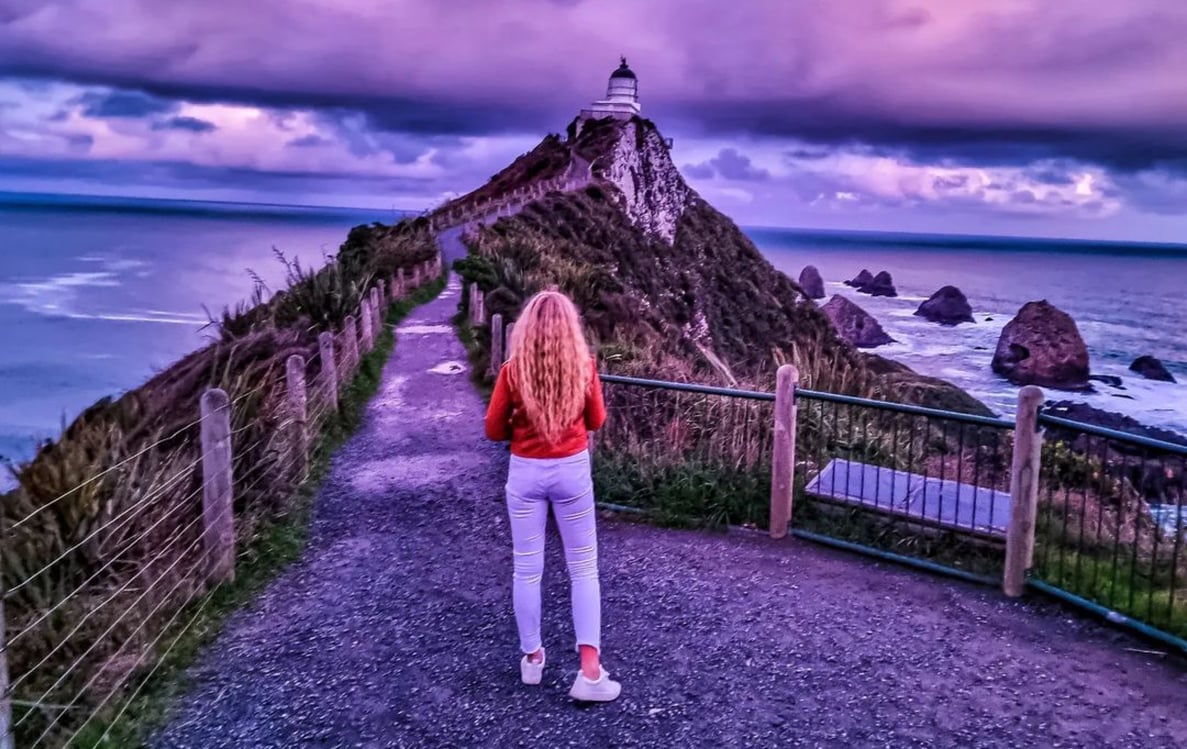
(595, 406)
(498, 414)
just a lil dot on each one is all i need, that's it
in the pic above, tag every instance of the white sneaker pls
(530, 672)
(603, 690)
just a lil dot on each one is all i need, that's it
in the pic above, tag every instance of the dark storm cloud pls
(122, 104)
(728, 164)
(977, 81)
(190, 124)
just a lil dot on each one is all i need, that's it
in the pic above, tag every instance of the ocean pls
(1126, 300)
(97, 294)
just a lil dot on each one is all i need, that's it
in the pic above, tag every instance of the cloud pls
(979, 80)
(728, 164)
(308, 141)
(190, 124)
(119, 104)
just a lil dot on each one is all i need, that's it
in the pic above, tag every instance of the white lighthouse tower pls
(622, 96)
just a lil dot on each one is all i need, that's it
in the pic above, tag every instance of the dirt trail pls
(395, 629)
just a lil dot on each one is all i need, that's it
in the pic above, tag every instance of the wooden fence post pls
(350, 332)
(401, 285)
(378, 309)
(507, 338)
(496, 344)
(1024, 491)
(218, 522)
(6, 740)
(298, 411)
(783, 457)
(329, 369)
(480, 305)
(382, 285)
(365, 318)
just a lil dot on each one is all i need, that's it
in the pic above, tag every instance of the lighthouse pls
(622, 96)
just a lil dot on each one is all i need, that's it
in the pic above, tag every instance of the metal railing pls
(1112, 524)
(102, 581)
(1091, 515)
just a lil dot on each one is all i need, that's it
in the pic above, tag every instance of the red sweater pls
(506, 419)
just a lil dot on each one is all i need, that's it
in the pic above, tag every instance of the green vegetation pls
(1097, 538)
(102, 537)
(276, 545)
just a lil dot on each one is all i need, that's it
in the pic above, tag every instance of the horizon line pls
(899, 232)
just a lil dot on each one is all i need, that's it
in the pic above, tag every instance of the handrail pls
(904, 408)
(811, 395)
(986, 421)
(686, 387)
(1113, 434)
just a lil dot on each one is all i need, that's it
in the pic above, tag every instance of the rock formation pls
(663, 277)
(948, 306)
(881, 285)
(1151, 369)
(811, 282)
(854, 324)
(1042, 346)
(861, 279)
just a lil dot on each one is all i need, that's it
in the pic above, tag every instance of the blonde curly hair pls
(550, 363)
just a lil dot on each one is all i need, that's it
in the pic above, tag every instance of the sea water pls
(98, 294)
(1127, 301)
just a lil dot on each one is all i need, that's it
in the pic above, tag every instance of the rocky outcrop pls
(1151, 369)
(948, 306)
(811, 282)
(880, 285)
(861, 279)
(854, 324)
(653, 193)
(1042, 346)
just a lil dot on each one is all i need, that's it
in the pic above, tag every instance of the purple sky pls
(997, 116)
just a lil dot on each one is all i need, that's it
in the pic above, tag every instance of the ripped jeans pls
(534, 484)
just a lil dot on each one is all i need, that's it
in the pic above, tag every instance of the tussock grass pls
(101, 538)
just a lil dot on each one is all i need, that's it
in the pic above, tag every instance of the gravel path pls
(395, 630)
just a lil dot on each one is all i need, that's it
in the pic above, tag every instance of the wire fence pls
(1112, 524)
(101, 582)
(911, 481)
(927, 487)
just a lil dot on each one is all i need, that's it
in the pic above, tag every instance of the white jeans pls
(564, 483)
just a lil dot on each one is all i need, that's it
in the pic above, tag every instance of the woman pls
(546, 400)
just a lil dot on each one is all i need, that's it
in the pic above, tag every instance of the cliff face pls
(669, 285)
(650, 189)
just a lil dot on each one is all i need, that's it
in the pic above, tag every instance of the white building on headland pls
(622, 97)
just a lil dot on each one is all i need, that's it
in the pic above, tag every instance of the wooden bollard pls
(298, 410)
(496, 343)
(350, 353)
(6, 739)
(401, 284)
(475, 312)
(377, 309)
(329, 370)
(218, 521)
(1024, 491)
(367, 337)
(783, 455)
(382, 285)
